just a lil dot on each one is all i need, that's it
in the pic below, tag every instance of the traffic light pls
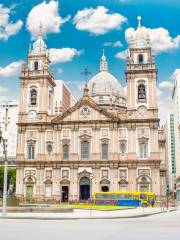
(167, 188)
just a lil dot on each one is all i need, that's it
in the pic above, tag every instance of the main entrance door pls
(84, 186)
(65, 193)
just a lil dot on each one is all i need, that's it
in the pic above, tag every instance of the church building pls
(109, 134)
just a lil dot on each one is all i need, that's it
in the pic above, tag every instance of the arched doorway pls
(105, 189)
(144, 184)
(65, 193)
(84, 186)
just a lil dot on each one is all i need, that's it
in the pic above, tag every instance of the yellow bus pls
(122, 198)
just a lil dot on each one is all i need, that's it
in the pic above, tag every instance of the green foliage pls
(11, 177)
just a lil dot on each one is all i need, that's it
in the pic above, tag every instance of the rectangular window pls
(65, 152)
(143, 148)
(85, 150)
(104, 151)
(31, 152)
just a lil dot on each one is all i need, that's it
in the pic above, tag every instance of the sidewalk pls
(89, 214)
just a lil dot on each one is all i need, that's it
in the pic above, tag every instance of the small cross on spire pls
(86, 73)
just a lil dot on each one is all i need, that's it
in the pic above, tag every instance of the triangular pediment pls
(85, 110)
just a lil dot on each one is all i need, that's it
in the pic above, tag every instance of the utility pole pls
(5, 173)
(4, 145)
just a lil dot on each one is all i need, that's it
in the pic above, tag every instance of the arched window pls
(143, 150)
(65, 151)
(140, 59)
(123, 148)
(31, 151)
(33, 97)
(36, 66)
(85, 150)
(104, 151)
(141, 92)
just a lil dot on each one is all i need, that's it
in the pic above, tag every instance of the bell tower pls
(37, 82)
(141, 72)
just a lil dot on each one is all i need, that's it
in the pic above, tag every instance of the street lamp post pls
(5, 173)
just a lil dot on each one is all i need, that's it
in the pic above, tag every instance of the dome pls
(105, 88)
(39, 46)
(105, 83)
(140, 37)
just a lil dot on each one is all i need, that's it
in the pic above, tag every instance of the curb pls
(83, 218)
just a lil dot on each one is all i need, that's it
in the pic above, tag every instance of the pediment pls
(105, 181)
(85, 110)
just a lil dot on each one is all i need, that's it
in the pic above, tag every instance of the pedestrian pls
(152, 203)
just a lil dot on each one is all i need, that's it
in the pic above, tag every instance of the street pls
(163, 226)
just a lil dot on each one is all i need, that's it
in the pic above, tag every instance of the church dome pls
(105, 88)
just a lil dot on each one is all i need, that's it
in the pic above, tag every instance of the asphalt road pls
(165, 226)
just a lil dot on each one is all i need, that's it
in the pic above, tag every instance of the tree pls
(11, 178)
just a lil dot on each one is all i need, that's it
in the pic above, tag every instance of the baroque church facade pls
(108, 134)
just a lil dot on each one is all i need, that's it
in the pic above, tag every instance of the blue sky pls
(84, 41)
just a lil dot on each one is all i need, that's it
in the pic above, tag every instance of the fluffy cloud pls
(58, 55)
(166, 84)
(8, 28)
(161, 40)
(98, 21)
(3, 89)
(10, 70)
(121, 55)
(176, 75)
(113, 44)
(47, 14)
(158, 92)
(3, 99)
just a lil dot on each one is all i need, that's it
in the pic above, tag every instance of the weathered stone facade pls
(116, 139)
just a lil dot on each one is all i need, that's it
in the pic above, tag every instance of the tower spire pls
(139, 21)
(40, 30)
(103, 62)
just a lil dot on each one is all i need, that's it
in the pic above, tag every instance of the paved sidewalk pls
(89, 214)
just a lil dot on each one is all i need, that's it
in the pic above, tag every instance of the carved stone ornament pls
(85, 112)
(143, 133)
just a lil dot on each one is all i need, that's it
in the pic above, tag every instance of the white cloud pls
(158, 92)
(161, 40)
(98, 21)
(47, 14)
(3, 99)
(166, 84)
(10, 70)
(176, 75)
(113, 44)
(121, 55)
(8, 28)
(3, 89)
(63, 54)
